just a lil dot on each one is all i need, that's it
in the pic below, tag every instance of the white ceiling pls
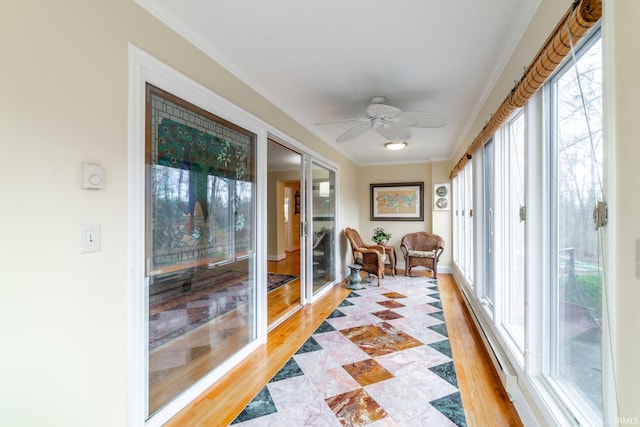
(324, 60)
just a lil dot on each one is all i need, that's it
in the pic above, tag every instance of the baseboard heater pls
(500, 362)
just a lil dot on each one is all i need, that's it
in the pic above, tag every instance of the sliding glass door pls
(200, 244)
(322, 223)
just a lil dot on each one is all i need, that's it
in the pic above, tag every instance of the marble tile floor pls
(382, 358)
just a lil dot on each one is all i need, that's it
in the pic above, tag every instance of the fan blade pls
(421, 119)
(382, 110)
(392, 131)
(359, 119)
(357, 130)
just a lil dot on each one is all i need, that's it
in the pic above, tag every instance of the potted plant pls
(380, 236)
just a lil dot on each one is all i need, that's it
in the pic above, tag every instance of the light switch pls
(90, 240)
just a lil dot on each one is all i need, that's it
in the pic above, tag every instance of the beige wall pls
(276, 237)
(438, 222)
(622, 92)
(420, 172)
(64, 100)
(442, 220)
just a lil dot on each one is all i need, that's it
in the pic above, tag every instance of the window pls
(575, 292)
(513, 211)
(463, 222)
(549, 154)
(489, 223)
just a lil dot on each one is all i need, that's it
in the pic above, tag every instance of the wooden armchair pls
(370, 257)
(421, 249)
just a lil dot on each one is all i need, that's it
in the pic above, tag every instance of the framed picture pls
(402, 201)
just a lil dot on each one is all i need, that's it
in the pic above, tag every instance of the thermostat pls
(91, 176)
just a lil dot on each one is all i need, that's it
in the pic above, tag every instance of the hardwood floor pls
(285, 299)
(485, 401)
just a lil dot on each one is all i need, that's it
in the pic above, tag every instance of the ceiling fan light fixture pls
(395, 145)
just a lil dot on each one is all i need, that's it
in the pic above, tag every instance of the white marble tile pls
(419, 311)
(430, 384)
(426, 336)
(395, 395)
(332, 382)
(352, 321)
(287, 393)
(316, 414)
(317, 361)
(423, 416)
(340, 348)
(413, 360)
(413, 325)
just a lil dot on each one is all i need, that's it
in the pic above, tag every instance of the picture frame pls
(401, 201)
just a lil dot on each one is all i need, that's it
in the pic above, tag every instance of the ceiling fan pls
(390, 122)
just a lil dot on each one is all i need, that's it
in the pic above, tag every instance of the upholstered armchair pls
(421, 249)
(370, 257)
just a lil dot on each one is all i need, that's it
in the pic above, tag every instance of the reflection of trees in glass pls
(226, 213)
(578, 186)
(579, 164)
(244, 217)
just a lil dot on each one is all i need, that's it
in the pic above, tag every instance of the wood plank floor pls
(485, 401)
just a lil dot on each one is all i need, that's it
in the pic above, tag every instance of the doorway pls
(301, 229)
(284, 213)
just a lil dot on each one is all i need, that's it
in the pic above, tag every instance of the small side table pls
(354, 277)
(391, 254)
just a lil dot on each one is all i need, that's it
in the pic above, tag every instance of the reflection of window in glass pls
(576, 293)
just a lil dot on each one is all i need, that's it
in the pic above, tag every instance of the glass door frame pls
(143, 69)
(307, 242)
(306, 225)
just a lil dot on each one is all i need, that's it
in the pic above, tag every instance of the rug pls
(208, 295)
(275, 280)
(382, 357)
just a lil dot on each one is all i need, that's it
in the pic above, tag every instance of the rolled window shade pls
(581, 16)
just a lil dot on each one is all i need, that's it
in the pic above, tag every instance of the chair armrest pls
(370, 251)
(405, 250)
(439, 251)
(367, 253)
(379, 248)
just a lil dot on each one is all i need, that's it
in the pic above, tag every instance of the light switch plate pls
(90, 239)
